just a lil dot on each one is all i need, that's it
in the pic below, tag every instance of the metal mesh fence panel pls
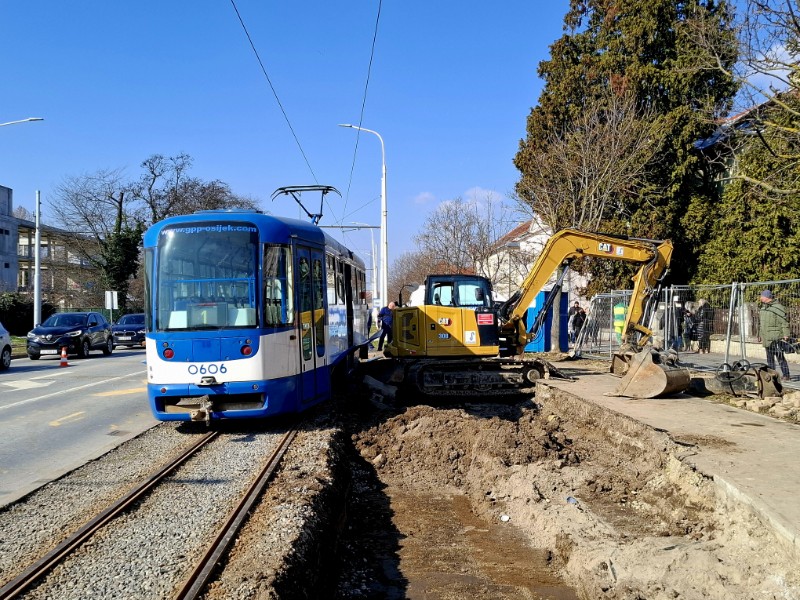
(746, 343)
(692, 318)
(597, 338)
(719, 320)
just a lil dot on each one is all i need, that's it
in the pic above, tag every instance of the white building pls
(63, 272)
(514, 256)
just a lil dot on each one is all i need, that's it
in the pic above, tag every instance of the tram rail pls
(193, 586)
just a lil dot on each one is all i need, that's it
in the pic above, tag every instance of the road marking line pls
(26, 384)
(80, 387)
(67, 419)
(122, 392)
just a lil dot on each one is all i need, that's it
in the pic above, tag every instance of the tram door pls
(311, 312)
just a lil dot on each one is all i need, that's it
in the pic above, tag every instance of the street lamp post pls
(37, 266)
(374, 265)
(384, 232)
(37, 273)
(28, 120)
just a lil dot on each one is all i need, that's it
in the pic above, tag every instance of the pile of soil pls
(551, 497)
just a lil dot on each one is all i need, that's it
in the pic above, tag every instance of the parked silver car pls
(5, 348)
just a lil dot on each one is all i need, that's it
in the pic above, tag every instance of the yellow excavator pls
(459, 343)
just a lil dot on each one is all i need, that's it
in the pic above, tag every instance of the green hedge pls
(16, 312)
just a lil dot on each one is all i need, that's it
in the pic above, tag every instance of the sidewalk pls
(753, 458)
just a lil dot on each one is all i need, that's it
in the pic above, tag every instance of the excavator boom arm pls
(568, 244)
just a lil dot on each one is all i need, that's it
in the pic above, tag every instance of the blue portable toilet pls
(541, 343)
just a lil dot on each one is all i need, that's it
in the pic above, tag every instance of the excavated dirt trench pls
(551, 497)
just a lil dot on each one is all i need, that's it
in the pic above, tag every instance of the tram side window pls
(340, 292)
(304, 281)
(278, 305)
(331, 279)
(363, 287)
(317, 282)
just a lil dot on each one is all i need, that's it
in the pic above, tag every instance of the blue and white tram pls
(247, 315)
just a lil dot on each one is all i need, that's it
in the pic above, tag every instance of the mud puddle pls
(448, 552)
(597, 506)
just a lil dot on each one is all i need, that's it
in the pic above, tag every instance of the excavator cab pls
(458, 319)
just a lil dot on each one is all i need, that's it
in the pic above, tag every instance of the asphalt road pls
(54, 419)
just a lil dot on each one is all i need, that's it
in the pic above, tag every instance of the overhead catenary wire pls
(274, 92)
(286, 116)
(280, 105)
(363, 104)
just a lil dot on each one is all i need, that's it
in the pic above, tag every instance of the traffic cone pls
(64, 362)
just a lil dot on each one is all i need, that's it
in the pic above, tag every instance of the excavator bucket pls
(652, 375)
(745, 380)
(620, 362)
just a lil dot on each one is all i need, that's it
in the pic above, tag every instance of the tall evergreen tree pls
(642, 48)
(757, 233)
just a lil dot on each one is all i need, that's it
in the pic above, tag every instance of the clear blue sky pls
(451, 86)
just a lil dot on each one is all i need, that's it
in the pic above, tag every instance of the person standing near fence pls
(688, 327)
(620, 309)
(773, 329)
(702, 322)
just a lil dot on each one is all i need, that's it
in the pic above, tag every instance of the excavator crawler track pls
(476, 377)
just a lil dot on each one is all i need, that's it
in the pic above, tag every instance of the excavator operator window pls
(471, 295)
(444, 291)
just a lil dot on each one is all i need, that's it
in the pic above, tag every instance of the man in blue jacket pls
(385, 319)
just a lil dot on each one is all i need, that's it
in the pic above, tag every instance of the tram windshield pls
(206, 277)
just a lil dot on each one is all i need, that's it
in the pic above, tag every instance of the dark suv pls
(129, 330)
(78, 332)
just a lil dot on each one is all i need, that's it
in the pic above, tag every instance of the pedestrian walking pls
(574, 308)
(575, 324)
(688, 329)
(703, 320)
(385, 319)
(773, 329)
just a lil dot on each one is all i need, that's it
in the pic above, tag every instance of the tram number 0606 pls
(211, 369)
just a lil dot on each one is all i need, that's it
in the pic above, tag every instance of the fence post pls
(729, 333)
(740, 300)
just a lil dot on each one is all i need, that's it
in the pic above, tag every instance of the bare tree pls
(767, 107)
(97, 209)
(159, 188)
(586, 171)
(90, 204)
(460, 236)
(195, 195)
(408, 271)
(108, 213)
(20, 212)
